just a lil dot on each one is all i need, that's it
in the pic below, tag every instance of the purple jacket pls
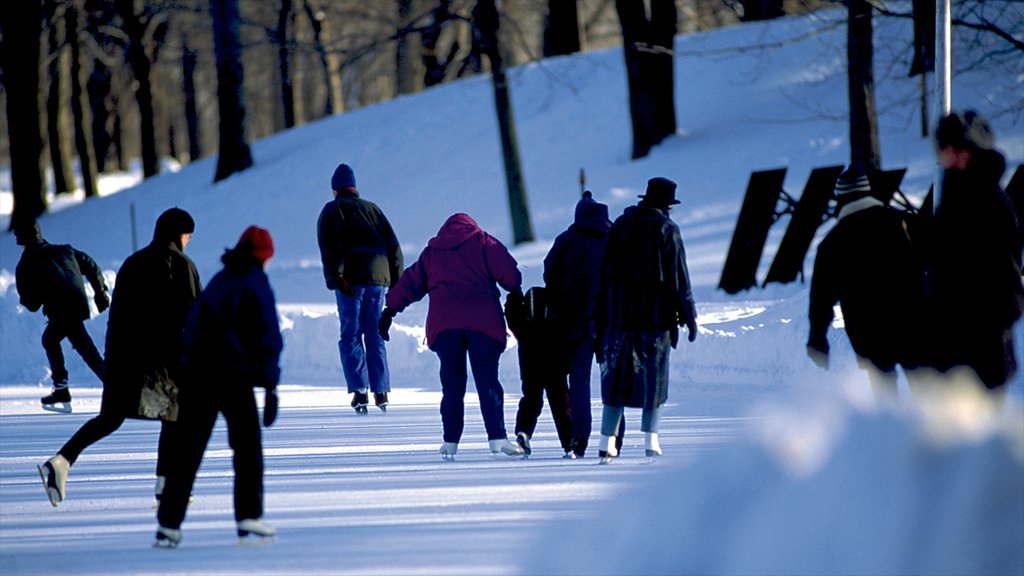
(459, 269)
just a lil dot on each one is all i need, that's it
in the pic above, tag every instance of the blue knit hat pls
(343, 178)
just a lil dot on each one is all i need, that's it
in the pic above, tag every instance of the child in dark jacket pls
(50, 276)
(232, 345)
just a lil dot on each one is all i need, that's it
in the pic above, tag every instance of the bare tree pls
(235, 155)
(21, 23)
(57, 124)
(562, 28)
(80, 102)
(486, 21)
(138, 26)
(864, 146)
(328, 59)
(285, 17)
(408, 63)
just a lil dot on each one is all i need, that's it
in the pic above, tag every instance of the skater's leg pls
(53, 334)
(581, 362)
(189, 437)
(80, 340)
(109, 419)
(450, 347)
(532, 401)
(350, 342)
(484, 354)
(371, 306)
(244, 437)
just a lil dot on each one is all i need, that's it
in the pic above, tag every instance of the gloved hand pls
(691, 328)
(102, 301)
(344, 286)
(818, 353)
(270, 404)
(384, 324)
(598, 351)
(514, 312)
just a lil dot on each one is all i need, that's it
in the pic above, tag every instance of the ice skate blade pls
(167, 538)
(448, 457)
(361, 410)
(255, 540)
(51, 491)
(59, 407)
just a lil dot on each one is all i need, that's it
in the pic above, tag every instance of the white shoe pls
(607, 450)
(167, 538)
(651, 445)
(255, 527)
(55, 475)
(502, 446)
(448, 450)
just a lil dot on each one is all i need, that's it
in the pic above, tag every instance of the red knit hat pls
(256, 241)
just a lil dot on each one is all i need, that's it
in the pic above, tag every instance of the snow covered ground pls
(771, 465)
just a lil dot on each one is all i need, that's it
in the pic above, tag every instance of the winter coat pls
(50, 276)
(867, 264)
(974, 270)
(645, 283)
(357, 242)
(460, 269)
(232, 335)
(154, 291)
(572, 276)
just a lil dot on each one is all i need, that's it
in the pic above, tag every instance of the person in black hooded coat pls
(232, 346)
(153, 292)
(973, 256)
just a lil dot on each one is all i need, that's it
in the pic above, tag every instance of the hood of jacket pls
(454, 232)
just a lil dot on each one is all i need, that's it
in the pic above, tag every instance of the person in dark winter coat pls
(644, 297)
(461, 269)
(867, 264)
(49, 276)
(361, 258)
(232, 346)
(565, 345)
(974, 251)
(154, 290)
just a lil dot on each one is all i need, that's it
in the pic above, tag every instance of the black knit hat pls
(964, 131)
(660, 192)
(172, 224)
(28, 233)
(343, 178)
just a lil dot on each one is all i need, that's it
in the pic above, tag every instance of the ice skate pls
(607, 450)
(524, 442)
(502, 448)
(58, 400)
(259, 531)
(167, 538)
(652, 449)
(569, 455)
(360, 400)
(380, 399)
(448, 450)
(54, 474)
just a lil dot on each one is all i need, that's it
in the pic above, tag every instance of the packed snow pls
(771, 464)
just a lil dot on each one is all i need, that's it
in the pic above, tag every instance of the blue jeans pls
(452, 347)
(364, 360)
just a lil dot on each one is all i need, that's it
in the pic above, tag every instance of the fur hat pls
(172, 224)
(851, 185)
(590, 212)
(28, 233)
(256, 242)
(965, 131)
(660, 192)
(343, 178)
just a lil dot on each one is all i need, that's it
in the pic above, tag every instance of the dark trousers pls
(198, 410)
(581, 362)
(452, 348)
(111, 416)
(542, 372)
(75, 332)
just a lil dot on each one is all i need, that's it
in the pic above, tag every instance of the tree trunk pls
(235, 155)
(407, 56)
(321, 39)
(99, 88)
(634, 25)
(561, 28)
(22, 23)
(761, 9)
(80, 102)
(188, 77)
(664, 22)
(285, 15)
(435, 66)
(57, 124)
(485, 17)
(141, 67)
(864, 147)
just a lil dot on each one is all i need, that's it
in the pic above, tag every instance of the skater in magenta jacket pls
(461, 269)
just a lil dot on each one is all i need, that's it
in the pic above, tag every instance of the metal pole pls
(942, 82)
(131, 211)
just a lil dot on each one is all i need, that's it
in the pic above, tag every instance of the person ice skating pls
(50, 276)
(232, 346)
(974, 257)
(867, 264)
(460, 269)
(361, 258)
(644, 297)
(153, 292)
(550, 349)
